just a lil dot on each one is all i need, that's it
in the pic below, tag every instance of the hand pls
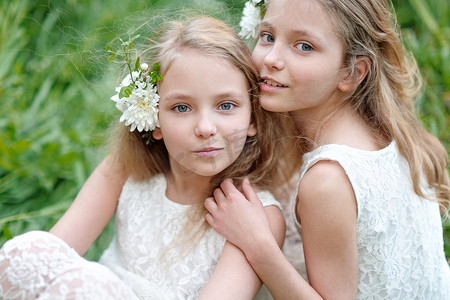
(240, 218)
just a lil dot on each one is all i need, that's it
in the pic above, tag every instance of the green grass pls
(54, 90)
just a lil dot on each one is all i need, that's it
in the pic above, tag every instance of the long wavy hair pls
(264, 157)
(385, 98)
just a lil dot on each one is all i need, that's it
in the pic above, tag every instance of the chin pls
(208, 173)
(271, 106)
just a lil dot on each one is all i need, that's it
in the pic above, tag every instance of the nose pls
(205, 126)
(274, 58)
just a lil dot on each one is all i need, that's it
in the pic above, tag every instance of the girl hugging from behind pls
(373, 183)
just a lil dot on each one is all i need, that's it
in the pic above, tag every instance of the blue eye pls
(226, 106)
(265, 37)
(181, 108)
(304, 47)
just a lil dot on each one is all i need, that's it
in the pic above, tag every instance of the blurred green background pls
(55, 85)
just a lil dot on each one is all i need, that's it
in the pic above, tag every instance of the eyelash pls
(310, 48)
(179, 106)
(227, 103)
(264, 35)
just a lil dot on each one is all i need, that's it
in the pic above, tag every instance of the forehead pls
(186, 60)
(300, 16)
(192, 73)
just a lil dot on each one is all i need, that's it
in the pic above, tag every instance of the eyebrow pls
(176, 97)
(224, 95)
(302, 32)
(232, 95)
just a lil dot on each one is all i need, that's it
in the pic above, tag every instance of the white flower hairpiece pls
(137, 95)
(253, 12)
(137, 98)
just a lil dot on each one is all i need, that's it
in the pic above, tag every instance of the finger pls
(228, 187)
(248, 191)
(210, 219)
(210, 204)
(219, 196)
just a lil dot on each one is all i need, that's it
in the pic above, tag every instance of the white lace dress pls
(141, 256)
(400, 238)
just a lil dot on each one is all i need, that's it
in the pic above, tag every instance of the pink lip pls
(208, 152)
(265, 87)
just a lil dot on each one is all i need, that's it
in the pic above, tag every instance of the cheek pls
(258, 57)
(168, 122)
(237, 136)
(316, 77)
(235, 147)
(175, 143)
(171, 131)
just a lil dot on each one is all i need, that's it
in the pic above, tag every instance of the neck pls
(186, 187)
(342, 126)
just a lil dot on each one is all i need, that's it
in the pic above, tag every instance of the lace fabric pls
(146, 224)
(140, 261)
(38, 265)
(400, 238)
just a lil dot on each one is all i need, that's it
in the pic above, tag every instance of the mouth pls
(270, 83)
(208, 151)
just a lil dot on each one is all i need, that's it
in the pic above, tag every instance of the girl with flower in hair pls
(372, 180)
(190, 122)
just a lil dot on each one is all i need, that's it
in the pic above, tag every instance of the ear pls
(251, 129)
(157, 134)
(355, 76)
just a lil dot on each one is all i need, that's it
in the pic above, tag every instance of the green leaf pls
(126, 91)
(156, 67)
(135, 37)
(112, 57)
(6, 232)
(136, 64)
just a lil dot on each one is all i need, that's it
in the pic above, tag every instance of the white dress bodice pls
(399, 234)
(142, 253)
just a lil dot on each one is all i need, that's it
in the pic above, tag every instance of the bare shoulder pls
(112, 167)
(324, 185)
(323, 176)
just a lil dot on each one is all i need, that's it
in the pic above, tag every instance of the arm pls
(242, 220)
(327, 208)
(328, 211)
(233, 277)
(93, 207)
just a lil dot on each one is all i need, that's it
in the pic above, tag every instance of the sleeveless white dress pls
(399, 234)
(141, 261)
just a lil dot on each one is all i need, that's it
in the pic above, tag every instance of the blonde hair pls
(261, 156)
(385, 98)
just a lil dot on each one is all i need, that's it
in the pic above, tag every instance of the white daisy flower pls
(250, 20)
(140, 108)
